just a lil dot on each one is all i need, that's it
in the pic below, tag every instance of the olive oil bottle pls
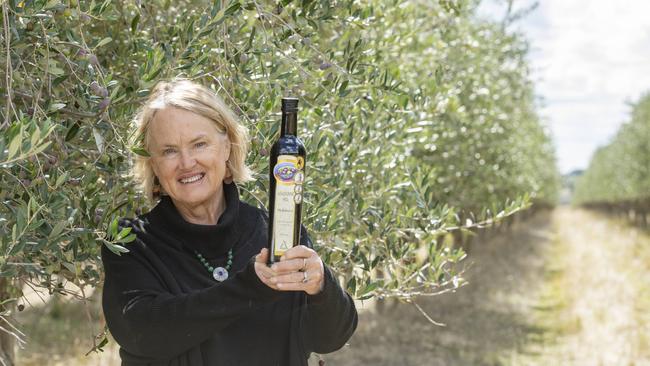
(287, 175)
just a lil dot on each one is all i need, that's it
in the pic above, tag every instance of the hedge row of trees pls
(618, 177)
(418, 119)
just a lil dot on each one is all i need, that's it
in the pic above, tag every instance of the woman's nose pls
(187, 159)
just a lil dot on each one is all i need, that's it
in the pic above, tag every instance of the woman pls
(194, 288)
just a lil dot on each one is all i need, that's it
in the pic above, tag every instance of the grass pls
(642, 305)
(549, 319)
(640, 257)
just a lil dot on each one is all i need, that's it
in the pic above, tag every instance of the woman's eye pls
(201, 144)
(168, 151)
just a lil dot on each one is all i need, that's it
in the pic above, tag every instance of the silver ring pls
(304, 264)
(304, 277)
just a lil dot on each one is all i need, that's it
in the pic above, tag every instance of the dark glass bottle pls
(286, 175)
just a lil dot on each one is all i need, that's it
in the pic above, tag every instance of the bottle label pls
(289, 176)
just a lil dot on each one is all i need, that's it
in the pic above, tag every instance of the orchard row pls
(618, 176)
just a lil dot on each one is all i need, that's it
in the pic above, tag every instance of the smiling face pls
(188, 155)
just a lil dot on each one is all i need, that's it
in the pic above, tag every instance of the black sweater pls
(164, 308)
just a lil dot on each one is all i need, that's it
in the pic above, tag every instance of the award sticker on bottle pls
(298, 178)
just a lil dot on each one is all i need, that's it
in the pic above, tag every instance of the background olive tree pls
(618, 177)
(419, 120)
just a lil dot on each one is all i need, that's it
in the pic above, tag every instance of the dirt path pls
(568, 287)
(607, 272)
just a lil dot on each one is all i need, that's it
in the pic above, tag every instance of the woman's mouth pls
(192, 179)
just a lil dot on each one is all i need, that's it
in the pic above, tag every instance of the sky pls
(589, 60)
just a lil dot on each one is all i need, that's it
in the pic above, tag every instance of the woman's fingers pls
(260, 264)
(264, 270)
(298, 258)
(263, 256)
(299, 251)
(264, 273)
(300, 269)
(310, 282)
(291, 265)
(297, 277)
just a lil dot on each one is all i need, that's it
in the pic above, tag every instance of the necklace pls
(218, 273)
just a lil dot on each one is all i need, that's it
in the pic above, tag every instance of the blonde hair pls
(196, 98)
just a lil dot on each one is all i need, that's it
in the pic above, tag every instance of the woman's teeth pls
(192, 179)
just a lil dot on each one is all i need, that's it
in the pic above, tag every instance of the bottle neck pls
(289, 124)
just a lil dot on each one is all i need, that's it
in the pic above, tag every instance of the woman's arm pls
(331, 316)
(147, 320)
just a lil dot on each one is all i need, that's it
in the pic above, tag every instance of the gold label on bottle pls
(289, 176)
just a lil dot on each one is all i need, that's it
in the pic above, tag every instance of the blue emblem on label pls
(285, 171)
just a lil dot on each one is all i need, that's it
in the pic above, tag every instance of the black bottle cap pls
(289, 105)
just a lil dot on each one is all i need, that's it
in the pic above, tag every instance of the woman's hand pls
(299, 269)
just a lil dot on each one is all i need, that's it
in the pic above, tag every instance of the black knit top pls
(164, 308)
